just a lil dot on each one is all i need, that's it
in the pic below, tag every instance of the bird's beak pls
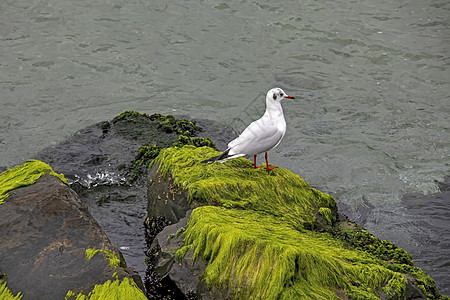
(289, 97)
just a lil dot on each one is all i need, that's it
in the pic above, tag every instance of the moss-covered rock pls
(268, 235)
(23, 175)
(361, 239)
(194, 141)
(148, 152)
(45, 230)
(111, 289)
(258, 256)
(114, 261)
(236, 184)
(168, 124)
(145, 154)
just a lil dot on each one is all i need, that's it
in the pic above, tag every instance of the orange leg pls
(267, 165)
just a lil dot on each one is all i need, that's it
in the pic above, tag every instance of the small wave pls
(99, 178)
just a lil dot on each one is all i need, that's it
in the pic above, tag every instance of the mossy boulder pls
(50, 244)
(178, 176)
(268, 235)
(24, 175)
(116, 289)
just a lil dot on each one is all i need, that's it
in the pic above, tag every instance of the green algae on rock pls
(114, 261)
(268, 235)
(325, 212)
(5, 292)
(168, 124)
(259, 256)
(23, 175)
(147, 152)
(361, 239)
(194, 141)
(235, 184)
(111, 290)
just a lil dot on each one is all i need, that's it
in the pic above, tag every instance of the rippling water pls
(370, 122)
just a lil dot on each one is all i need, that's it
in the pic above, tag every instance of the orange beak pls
(289, 97)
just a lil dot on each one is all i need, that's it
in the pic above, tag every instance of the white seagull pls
(261, 135)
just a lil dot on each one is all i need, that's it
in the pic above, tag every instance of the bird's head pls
(277, 94)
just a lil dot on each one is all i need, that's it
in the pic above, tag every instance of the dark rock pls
(157, 287)
(163, 199)
(103, 153)
(182, 276)
(45, 230)
(100, 160)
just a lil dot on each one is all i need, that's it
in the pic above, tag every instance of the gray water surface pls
(370, 122)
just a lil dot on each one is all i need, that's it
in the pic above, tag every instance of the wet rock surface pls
(159, 286)
(163, 199)
(45, 230)
(104, 153)
(168, 277)
(99, 160)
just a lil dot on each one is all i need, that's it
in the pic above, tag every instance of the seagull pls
(261, 135)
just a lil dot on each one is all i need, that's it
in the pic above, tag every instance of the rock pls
(169, 196)
(107, 164)
(46, 231)
(259, 234)
(163, 199)
(182, 275)
(105, 153)
(185, 275)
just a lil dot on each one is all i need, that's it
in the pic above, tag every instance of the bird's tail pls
(221, 158)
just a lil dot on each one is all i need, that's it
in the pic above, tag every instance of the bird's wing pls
(260, 136)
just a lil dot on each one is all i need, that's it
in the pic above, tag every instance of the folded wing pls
(260, 136)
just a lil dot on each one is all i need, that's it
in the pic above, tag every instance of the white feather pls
(263, 134)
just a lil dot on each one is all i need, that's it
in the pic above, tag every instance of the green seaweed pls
(259, 232)
(173, 127)
(5, 292)
(326, 213)
(24, 175)
(145, 154)
(114, 261)
(258, 256)
(424, 282)
(236, 184)
(194, 141)
(168, 124)
(127, 115)
(111, 290)
(382, 249)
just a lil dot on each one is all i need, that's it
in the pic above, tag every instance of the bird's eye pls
(281, 95)
(274, 96)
